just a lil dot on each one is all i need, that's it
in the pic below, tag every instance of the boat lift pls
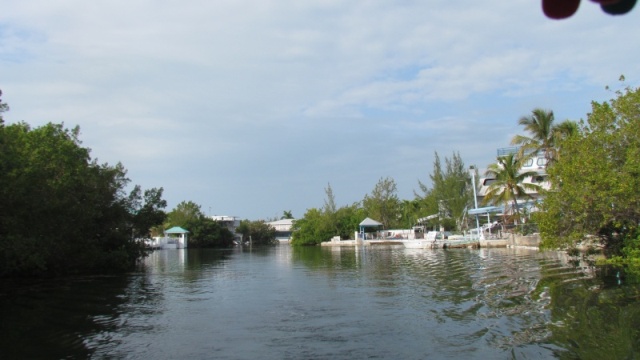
(485, 210)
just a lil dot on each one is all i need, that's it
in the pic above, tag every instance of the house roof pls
(282, 222)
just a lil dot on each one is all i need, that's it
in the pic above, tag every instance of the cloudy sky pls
(251, 107)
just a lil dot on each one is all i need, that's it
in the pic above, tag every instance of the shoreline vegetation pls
(62, 212)
(593, 195)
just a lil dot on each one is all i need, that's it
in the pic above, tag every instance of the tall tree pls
(543, 134)
(287, 214)
(383, 203)
(257, 232)
(348, 219)
(329, 209)
(451, 191)
(597, 180)
(147, 210)
(185, 214)
(312, 229)
(207, 233)
(330, 200)
(3, 108)
(410, 213)
(60, 211)
(509, 185)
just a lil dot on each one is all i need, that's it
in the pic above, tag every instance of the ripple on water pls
(387, 303)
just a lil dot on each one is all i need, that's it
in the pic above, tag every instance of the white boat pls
(437, 239)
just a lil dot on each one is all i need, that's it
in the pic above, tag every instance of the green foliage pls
(631, 247)
(508, 186)
(3, 108)
(593, 324)
(320, 225)
(61, 212)
(257, 232)
(329, 210)
(186, 215)
(207, 233)
(544, 134)
(312, 229)
(203, 231)
(597, 179)
(348, 219)
(383, 204)
(147, 210)
(450, 194)
(410, 212)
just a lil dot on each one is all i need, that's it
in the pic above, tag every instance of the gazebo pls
(368, 223)
(181, 239)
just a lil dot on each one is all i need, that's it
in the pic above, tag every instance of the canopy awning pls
(485, 210)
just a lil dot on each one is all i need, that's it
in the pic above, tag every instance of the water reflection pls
(330, 303)
(55, 319)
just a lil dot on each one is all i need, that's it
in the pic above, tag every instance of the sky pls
(253, 107)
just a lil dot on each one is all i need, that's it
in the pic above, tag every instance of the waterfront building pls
(537, 164)
(230, 222)
(283, 229)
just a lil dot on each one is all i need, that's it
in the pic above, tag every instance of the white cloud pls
(256, 105)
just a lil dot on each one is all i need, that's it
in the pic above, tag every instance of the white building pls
(537, 164)
(283, 229)
(230, 222)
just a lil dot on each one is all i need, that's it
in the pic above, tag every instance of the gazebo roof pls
(369, 223)
(176, 230)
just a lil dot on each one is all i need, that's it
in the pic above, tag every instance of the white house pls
(283, 229)
(230, 222)
(537, 164)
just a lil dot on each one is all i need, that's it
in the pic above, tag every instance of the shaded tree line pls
(62, 212)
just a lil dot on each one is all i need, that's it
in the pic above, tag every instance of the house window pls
(528, 163)
(541, 161)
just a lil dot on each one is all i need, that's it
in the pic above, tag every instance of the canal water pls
(281, 302)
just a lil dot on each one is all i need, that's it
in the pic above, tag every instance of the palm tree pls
(509, 185)
(544, 134)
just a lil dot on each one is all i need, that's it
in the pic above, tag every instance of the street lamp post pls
(472, 171)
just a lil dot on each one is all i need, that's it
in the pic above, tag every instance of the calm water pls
(322, 303)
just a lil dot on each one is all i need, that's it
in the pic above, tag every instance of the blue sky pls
(250, 108)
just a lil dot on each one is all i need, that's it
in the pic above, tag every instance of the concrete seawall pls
(512, 240)
(532, 241)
